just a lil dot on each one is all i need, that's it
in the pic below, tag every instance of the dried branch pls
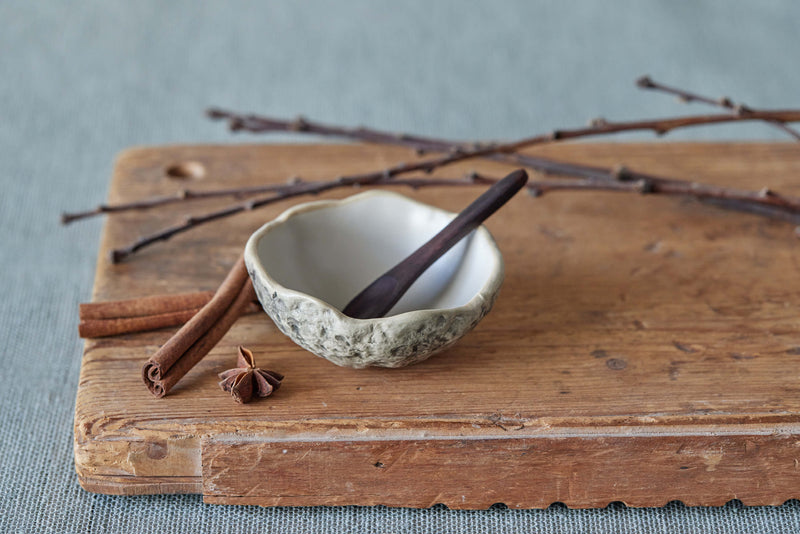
(261, 124)
(728, 198)
(659, 126)
(645, 82)
(457, 151)
(299, 188)
(422, 145)
(662, 126)
(563, 169)
(543, 165)
(180, 196)
(258, 123)
(765, 202)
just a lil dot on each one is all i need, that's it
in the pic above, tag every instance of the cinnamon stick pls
(128, 325)
(92, 328)
(201, 347)
(166, 367)
(143, 306)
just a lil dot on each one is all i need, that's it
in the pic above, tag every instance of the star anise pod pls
(247, 380)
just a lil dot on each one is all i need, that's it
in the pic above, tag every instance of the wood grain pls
(642, 350)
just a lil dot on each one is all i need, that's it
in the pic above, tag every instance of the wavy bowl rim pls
(256, 268)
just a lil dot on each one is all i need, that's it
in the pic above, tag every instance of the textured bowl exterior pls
(393, 341)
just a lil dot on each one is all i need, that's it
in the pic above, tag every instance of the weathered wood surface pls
(643, 349)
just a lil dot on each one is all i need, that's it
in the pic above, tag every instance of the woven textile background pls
(79, 81)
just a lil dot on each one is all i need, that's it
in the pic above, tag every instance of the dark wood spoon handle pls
(379, 297)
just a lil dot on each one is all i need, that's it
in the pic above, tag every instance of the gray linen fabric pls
(80, 81)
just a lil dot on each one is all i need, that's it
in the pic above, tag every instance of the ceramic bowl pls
(308, 263)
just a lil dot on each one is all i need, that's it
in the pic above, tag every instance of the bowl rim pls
(487, 291)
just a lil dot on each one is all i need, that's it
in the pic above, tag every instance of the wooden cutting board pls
(643, 349)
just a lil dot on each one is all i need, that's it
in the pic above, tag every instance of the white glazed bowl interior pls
(312, 260)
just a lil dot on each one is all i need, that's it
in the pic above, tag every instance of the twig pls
(661, 126)
(545, 166)
(458, 153)
(737, 198)
(645, 82)
(299, 188)
(257, 123)
(261, 124)
(180, 196)
(764, 202)
(303, 188)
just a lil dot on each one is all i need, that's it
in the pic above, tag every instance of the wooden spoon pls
(379, 297)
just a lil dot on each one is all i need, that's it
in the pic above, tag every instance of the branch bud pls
(300, 124)
(766, 192)
(726, 102)
(644, 186)
(621, 173)
(215, 114)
